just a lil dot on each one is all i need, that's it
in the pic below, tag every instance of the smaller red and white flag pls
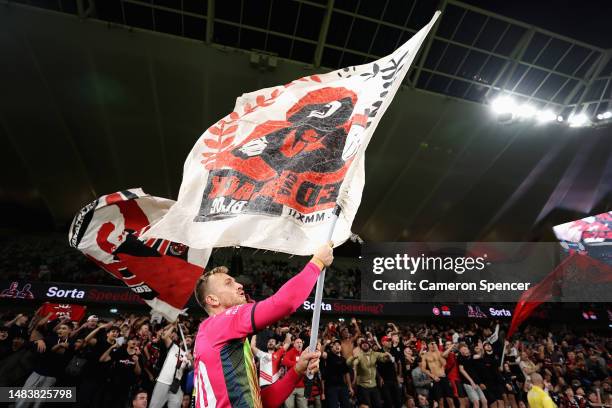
(161, 272)
(59, 310)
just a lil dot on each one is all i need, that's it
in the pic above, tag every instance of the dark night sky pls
(587, 20)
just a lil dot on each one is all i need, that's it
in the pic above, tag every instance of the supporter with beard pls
(270, 361)
(364, 362)
(93, 387)
(124, 371)
(337, 386)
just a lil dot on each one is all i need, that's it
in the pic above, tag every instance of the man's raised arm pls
(294, 292)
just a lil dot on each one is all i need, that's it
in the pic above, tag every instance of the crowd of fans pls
(142, 362)
(261, 282)
(48, 258)
(420, 365)
(119, 362)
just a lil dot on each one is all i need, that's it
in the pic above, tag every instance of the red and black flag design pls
(161, 272)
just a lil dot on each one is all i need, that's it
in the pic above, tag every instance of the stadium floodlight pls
(526, 111)
(578, 120)
(546, 116)
(503, 104)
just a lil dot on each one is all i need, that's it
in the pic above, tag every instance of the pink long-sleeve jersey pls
(225, 374)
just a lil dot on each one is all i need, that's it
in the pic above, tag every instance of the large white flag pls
(270, 174)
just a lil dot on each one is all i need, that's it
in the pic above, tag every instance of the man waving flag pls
(274, 174)
(271, 173)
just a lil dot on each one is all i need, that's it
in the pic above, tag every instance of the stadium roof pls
(107, 95)
(473, 54)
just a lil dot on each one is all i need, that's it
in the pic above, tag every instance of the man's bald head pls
(536, 379)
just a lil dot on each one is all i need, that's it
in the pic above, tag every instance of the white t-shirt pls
(166, 375)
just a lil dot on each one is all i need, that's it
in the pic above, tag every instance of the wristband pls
(318, 262)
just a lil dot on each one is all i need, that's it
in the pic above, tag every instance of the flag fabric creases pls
(270, 174)
(161, 272)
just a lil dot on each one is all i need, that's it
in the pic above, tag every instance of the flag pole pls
(182, 336)
(316, 315)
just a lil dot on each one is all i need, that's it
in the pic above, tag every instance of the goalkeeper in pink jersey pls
(225, 374)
